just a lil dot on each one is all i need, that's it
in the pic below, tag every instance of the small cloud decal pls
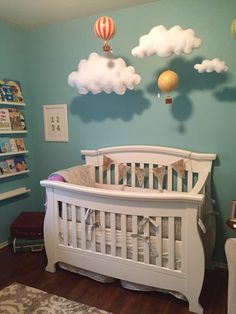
(103, 74)
(163, 42)
(214, 65)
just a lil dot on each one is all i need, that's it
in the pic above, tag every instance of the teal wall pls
(202, 117)
(12, 65)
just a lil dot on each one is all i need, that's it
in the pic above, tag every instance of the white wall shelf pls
(12, 193)
(14, 153)
(13, 132)
(13, 174)
(11, 103)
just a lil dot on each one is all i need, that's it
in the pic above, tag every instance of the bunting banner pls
(107, 162)
(122, 171)
(140, 174)
(179, 167)
(159, 174)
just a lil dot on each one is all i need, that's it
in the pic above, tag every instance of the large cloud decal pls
(103, 74)
(215, 65)
(164, 42)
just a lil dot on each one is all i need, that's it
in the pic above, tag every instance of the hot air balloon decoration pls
(105, 28)
(168, 82)
(233, 28)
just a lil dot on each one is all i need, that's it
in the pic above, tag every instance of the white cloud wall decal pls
(103, 74)
(214, 65)
(163, 42)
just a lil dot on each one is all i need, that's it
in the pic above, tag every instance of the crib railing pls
(171, 180)
(151, 240)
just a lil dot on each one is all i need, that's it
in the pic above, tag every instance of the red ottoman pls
(28, 225)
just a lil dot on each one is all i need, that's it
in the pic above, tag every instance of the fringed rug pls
(21, 299)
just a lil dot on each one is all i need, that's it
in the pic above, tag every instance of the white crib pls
(152, 233)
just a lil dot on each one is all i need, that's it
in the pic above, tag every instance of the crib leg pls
(195, 306)
(51, 267)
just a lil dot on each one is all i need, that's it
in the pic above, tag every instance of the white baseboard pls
(4, 244)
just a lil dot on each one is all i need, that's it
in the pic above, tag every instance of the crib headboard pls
(197, 166)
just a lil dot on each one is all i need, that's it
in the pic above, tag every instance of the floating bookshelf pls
(12, 193)
(13, 174)
(13, 132)
(11, 103)
(14, 153)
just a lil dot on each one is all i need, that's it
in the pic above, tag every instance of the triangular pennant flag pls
(122, 171)
(159, 174)
(106, 162)
(179, 167)
(140, 173)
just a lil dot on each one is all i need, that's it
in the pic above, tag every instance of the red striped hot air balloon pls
(105, 28)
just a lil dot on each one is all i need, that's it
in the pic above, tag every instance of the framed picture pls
(55, 123)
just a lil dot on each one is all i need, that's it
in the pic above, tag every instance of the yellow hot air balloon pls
(233, 28)
(168, 82)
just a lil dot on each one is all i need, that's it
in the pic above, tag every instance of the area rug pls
(21, 299)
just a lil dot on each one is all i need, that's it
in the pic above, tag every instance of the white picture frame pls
(55, 123)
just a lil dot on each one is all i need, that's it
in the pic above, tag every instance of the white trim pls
(150, 149)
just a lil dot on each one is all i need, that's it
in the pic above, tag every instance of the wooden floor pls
(28, 269)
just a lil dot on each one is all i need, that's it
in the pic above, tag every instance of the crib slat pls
(109, 175)
(159, 242)
(65, 223)
(190, 181)
(146, 244)
(124, 236)
(74, 226)
(135, 240)
(103, 232)
(93, 239)
(169, 178)
(133, 174)
(183, 247)
(150, 176)
(142, 167)
(116, 174)
(179, 184)
(83, 228)
(171, 242)
(100, 173)
(113, 234)
(125, 179)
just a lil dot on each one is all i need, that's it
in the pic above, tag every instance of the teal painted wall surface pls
(202, 117)
(12, 65)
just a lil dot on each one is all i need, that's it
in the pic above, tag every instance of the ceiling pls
(31, 13)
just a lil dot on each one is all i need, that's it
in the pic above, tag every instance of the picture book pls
(4, 145)
(15, 119)
(20, 144)
(4, 168)
(11, 165)
(22, 119)
(15, 90)
(5, 122)
(6, 92)
(13, 145)
(20, 163)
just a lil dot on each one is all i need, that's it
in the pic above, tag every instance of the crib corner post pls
(195, 263)
(50, 232)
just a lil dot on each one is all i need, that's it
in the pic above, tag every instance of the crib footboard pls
(150, 239)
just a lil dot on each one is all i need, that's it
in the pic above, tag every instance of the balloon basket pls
(168, 100)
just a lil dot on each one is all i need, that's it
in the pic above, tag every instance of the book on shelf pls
(20, 144)
(10, 91)
(4, 168)
(5, 122)
(17, 119)
(13, 145)
(11, 165)
(4, 145)
(20, 163)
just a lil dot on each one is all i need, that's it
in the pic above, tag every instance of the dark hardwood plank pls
(28, 269)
